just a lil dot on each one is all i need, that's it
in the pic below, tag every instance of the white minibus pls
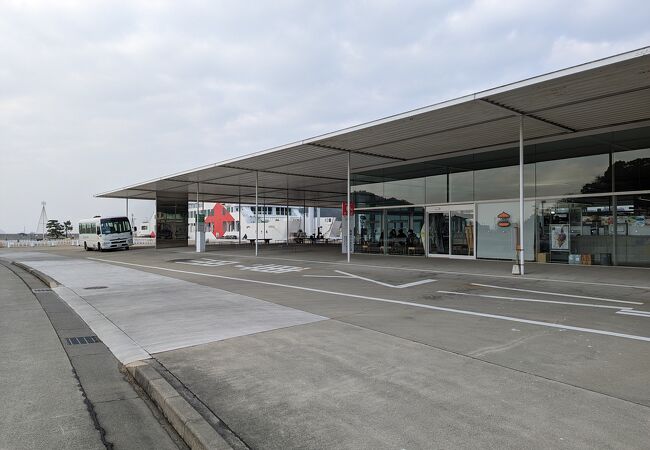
(102, 233)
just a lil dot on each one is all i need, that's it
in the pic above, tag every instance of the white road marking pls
(635, 313)
(534, 300)
(398, 302)
(484, 275)
(206, 262)
(396, 286)
(556, 293)
(271, 268)
(326, 276)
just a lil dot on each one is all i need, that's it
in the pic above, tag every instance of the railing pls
(34, 243)
(144, 242)
(15, 243)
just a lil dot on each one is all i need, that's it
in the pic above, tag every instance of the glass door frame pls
(448, 208)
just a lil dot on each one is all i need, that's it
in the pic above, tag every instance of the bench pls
(266, 241)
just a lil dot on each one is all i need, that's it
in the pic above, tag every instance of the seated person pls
(411, 239)
(401, 234)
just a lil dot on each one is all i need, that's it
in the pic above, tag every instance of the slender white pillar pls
(257, 222)
(196, 217)
(239, 215)
(349, 244)
(287, 211)
(521, 195)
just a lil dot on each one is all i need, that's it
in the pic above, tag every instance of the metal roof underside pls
(605, 93)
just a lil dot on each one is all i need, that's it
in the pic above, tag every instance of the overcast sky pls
(95, 95)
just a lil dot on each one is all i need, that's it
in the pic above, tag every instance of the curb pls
(50, 282)
(188, 423)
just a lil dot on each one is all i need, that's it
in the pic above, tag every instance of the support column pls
(239, 215)
(257, 222)
(127, 207)
(348, 213)
(521, 194)
(287, 211)
(614, 208)
(199, 231)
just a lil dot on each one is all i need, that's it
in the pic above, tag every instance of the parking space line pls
(535, 300)
(396, 286)
(635, 313)
(444, 272)
(557, 294)
(398, 302)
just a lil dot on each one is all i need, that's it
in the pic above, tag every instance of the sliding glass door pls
(451, 231)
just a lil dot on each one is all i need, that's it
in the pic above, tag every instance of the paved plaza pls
(298, 349)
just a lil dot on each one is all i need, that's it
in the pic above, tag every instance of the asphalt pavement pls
(298, 349)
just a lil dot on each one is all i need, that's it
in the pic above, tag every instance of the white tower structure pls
(42, 221)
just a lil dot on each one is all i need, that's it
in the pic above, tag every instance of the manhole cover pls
(82, 340)
(96, 287)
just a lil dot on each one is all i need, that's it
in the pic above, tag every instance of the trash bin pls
(605, 259)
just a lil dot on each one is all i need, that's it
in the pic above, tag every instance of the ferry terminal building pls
(568, 152)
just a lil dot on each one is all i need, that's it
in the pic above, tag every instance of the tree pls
(54, 229)
(67, 227)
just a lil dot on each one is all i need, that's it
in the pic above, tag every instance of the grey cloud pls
(101, 94)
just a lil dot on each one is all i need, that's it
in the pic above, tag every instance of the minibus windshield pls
(118, 225)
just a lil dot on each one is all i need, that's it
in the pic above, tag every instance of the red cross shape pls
(221, 215)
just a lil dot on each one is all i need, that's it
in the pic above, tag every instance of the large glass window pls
(461, 187)
(503, 182)
(404, 231)
(496, 226)
(585, 174)
(576, 226)
(369, 232)
(436, 189)
(397, 225)
(633, 230)
(171, 221)
(367, 191)
(632, 170)
(409, 191)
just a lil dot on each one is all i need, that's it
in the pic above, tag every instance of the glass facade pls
(587, 202)
(171, 221)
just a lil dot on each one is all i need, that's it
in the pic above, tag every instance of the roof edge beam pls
(343, 151)
(525, 114)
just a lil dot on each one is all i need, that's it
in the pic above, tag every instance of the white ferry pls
(226, 221)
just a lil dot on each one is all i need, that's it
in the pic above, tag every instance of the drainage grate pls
(37, 290)
(96, 287)
(82, 340)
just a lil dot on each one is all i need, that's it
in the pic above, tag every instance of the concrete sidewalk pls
(42, 404)
(58, 395)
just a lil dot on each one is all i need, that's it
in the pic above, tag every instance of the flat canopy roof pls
(606, 93)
